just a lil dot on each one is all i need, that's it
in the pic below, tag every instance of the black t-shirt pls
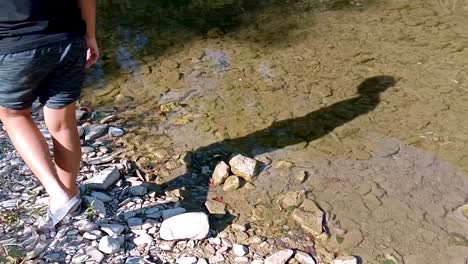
(29, 24)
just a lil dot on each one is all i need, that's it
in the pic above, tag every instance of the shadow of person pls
(280, 134)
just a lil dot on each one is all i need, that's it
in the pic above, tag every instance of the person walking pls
(45, 46)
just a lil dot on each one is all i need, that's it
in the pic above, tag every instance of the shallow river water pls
(370, 98)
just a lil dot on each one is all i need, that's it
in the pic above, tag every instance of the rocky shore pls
(130, 220)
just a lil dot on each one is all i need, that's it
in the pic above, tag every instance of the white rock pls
(109, 245)
(101, 196)
(257, 261)
(138, 190)
(112, 229)
(185, 226)
(304, 258)
(104, 179)
(186, 260)
(280, 257)
(143, 239)
(217, 259)
(94, 254)
(202, 261)
(79, 258)
(116, 132)
(244, 167)
(241, 259)
(345, 260)
(220, 173)
(172, 212)
(92, 235)
(240, 250)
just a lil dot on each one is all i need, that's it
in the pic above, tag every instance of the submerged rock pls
(293, 199)
(310, 222)
(185, 226)
(345, 260)
(244, 167)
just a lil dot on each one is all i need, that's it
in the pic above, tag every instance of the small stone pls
(304, 258)
(239, 227)
(129, 214)
(101, 196)
(116, 132)
(138, 190)
(96, 132)
(202, 261)
(220, 173)
(215, 207)
(345, 260)
(81, 131)
(79, 114)
(135, 260)
(186, 260)
(185, 226)
(100, 160)
(144, 239)
(104, 179)
(166, 246)
(283, 164)
(108, 119)
(217, 259)
(244, 167)
(172, 212)
(94, 254)
(257, 261)
(109, 245)
(79, 258)
(92, 235)
(135, 223)
(86, 149)
(240, 250)
(241, 259)
(280, 257)
(232, 183)
(112, 229)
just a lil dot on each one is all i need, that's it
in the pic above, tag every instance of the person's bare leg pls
(61, 124)
(34, 150)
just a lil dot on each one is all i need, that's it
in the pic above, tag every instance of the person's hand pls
(93, 52)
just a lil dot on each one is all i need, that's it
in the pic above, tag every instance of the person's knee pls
(6, 113)
(60, 119)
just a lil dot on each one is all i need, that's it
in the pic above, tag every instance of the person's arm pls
(88, 13)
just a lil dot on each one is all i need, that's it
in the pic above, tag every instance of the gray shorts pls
(52, 73)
